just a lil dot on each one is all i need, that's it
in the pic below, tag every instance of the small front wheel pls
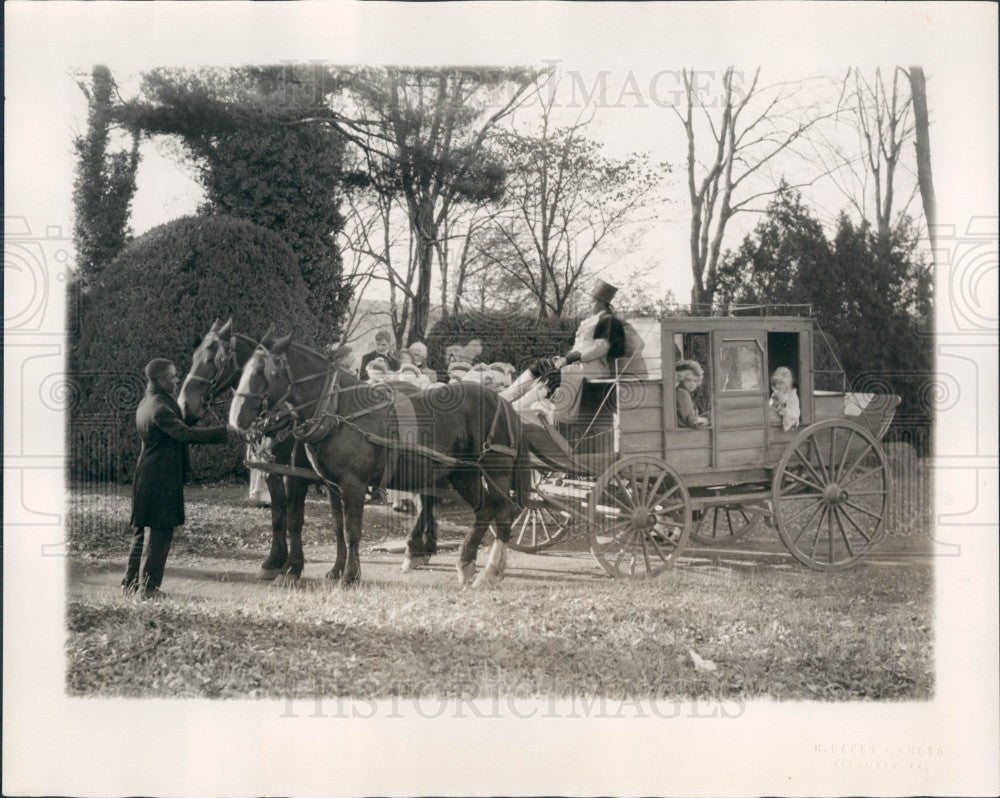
(639, 517)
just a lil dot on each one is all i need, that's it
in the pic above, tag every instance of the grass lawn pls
(556, 626)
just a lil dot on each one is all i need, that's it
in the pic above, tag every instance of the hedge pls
(506, 337)
(157, 299)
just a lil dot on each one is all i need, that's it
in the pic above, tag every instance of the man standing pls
(158, 486)
(383, 340)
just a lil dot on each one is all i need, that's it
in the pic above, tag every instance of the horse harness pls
(311, 431)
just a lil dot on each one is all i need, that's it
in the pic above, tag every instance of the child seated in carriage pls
(689, 375)
(784, 402)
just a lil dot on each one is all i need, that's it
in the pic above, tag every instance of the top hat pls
(604, 292)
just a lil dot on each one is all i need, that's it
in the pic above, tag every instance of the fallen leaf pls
(704, 665)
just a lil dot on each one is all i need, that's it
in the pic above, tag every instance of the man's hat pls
(603, 291)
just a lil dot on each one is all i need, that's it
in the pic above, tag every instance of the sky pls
(628, 104)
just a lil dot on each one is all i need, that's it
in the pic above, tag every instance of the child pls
(689, 376)
(784, 399)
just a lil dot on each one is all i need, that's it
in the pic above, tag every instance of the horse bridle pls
(213, 387)
(304, 429)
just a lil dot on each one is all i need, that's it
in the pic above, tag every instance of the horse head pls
(265, 382)
(215, 367)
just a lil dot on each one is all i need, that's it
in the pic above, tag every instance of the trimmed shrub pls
(157, 299)
(506, 337)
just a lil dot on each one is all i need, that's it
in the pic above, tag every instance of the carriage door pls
(740, 399)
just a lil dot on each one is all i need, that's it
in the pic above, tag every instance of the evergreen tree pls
(104, 185)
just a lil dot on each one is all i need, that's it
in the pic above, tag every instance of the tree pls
(771, 263)
(879, 114)
(564, 199)
(149, 306)
(743, 134)
(922, 146)
(869, 292)
(105, 182)
(256, 162)
(426, 145)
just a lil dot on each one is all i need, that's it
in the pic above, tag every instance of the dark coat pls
(158, 486)
(391, 359)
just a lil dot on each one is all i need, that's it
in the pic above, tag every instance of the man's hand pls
(558, 361)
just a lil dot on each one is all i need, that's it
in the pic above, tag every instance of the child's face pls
(689, 381)
(778, 385)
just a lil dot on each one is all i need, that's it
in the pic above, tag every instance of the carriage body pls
(743, 468)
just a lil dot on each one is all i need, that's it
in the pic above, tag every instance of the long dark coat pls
(158, 486)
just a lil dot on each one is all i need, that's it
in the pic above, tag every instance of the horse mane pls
(336, 358)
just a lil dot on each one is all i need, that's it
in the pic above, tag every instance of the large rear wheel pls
(831, 495)
(639, 518)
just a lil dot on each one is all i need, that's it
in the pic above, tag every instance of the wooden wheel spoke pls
(861, 509)
(808, 465)
(797, 478)
(868, 493)
(854, 523)
(819, 456)
(877, 469)
(629, 493)
(843, 458)
(819, 530)
(658, 550)
(856, 463)
(645, 553)
(655, 487)
(801, 510)
(843, 533)
(805, 525)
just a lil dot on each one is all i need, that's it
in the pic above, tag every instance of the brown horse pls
(359, 435)
(215, 367)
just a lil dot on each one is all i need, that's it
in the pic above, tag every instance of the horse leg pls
(337, 511)
(428, 502)
(353, 497)
(295, 496)
(502, 512)
(469, 487)
(278, 555)
(416, 553)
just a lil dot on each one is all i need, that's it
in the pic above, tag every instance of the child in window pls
(689, 375)
(784, 399)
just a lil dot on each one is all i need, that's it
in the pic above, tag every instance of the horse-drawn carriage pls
(643, 484)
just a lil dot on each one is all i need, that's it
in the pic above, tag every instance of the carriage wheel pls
(540, 525)
(640, 517)
(831, 494)
(716, 526)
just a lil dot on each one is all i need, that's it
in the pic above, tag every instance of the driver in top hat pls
(600, 339)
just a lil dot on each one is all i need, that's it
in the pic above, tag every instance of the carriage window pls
(740, 366)
(696, 347)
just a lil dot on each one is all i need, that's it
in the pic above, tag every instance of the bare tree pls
(922, 146)
(866, 153)
(736, 144)
(426, 145)
(564, 200)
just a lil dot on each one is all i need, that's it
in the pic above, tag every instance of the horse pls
(215, 367)
(348, 428)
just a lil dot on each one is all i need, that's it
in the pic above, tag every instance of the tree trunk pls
(918, 90)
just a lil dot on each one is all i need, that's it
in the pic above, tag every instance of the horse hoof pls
(334, 574)
(486, 579)
(414, 563)
(286, 580)
(466, 572)
(267, 574)
(347, 584)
